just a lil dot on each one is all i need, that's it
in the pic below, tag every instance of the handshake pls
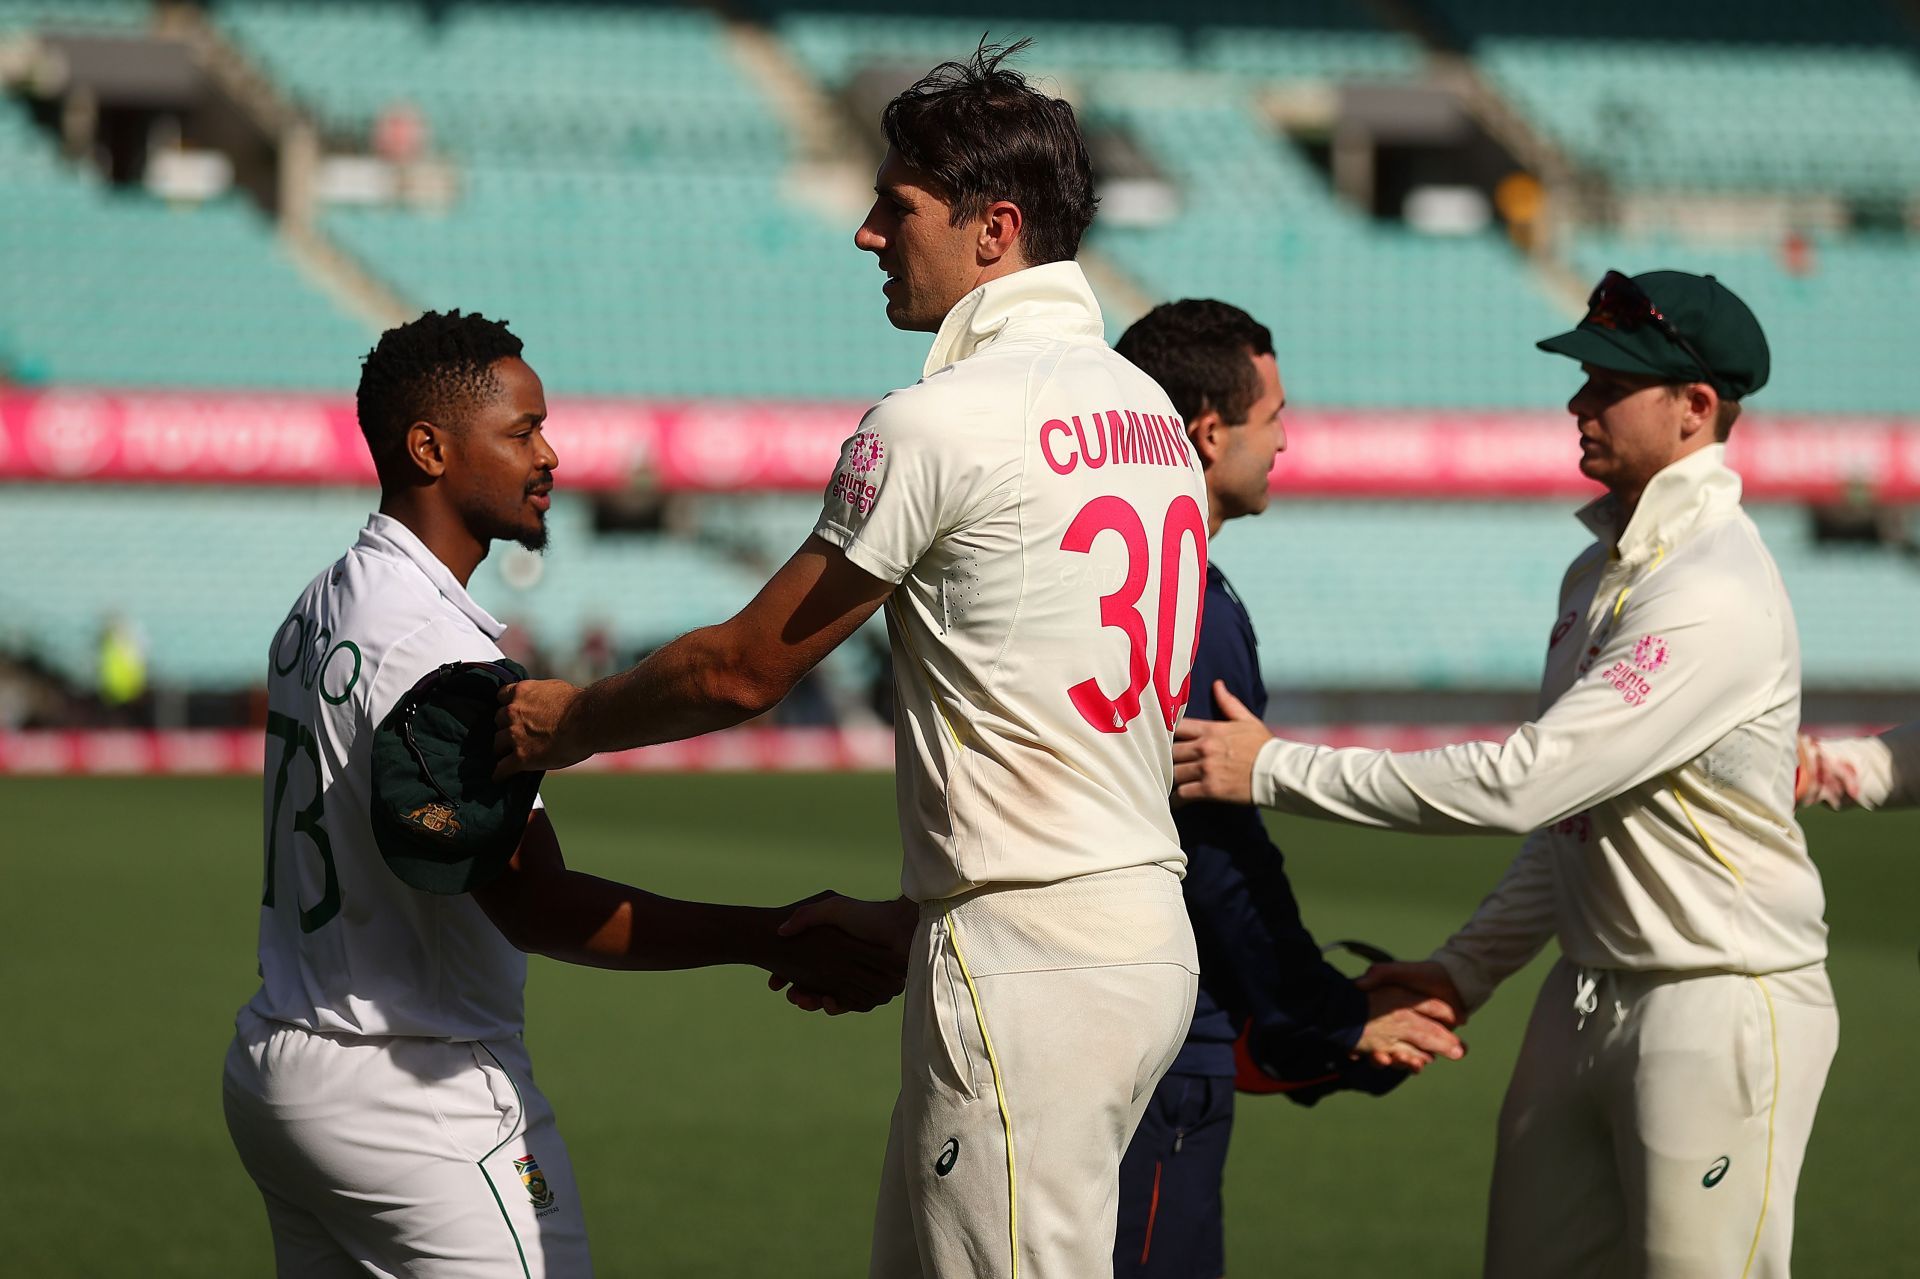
(1413, 1010)
(836, 954)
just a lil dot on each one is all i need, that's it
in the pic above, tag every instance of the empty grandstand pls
(661, 199)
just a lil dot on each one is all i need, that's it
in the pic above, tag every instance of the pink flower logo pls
(866, 452)
(1650, 654)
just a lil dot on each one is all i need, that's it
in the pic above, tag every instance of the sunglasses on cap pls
(1620, 304)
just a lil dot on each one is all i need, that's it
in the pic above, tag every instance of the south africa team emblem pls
(535, 1182)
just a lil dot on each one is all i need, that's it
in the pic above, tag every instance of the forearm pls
(582, 919)
(1508, 929)
(1511, 787)
(697, 684)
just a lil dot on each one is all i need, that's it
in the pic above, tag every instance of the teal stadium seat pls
(1838, 121)
(650, 249)
(1840, 326)
(1433, 595)
(1407, 595)
(73, 15)
(105, 551)
(98, 280)
(1362, 313)
(115, 288)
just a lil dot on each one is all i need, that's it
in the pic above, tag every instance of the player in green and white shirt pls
(377, 1088)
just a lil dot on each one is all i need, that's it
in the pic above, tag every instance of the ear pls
(1702, 405)
(999, 231)
(1208, 431)
(427, 449)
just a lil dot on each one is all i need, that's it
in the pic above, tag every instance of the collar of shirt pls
(1675, 500)
(385, 535)
(1054, 298)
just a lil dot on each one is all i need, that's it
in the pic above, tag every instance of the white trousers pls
(397, 1156)
(1037, 1022)
(1656, 1124)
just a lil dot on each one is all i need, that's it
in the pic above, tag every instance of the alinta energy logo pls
(949, 1156)
(866, 453)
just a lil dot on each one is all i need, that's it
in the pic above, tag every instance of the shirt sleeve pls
(1870, 772)
(904, 478)
(1687, 662)
(424, 651)
(1511, 925)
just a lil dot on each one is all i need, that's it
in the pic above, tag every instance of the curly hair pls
(981, 133)
(1199, 351)
(433, 369)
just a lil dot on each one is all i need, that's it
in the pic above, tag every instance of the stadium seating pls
(629, 198)
(1349, 594)
(104, 551)
(1839, 323)
(72, 15)
(1836, 121)
(98, 282)
(650, 248)
(1361, 313)
(1437, 595)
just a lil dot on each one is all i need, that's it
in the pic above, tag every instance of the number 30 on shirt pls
(1182, 527)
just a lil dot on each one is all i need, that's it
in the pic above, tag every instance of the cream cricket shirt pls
(1036, 500)
(1656, 780)
(344, 945)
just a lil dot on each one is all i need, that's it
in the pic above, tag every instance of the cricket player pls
(1861, 772)
(1666, 1088)
(1261, 971)
(1033, 519)
(377, 1087)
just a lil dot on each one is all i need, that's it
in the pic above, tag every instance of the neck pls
(999, 269)
(439, 529)
(1629, 502)
(1629, 495)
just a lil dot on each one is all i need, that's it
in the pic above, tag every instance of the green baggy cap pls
(441, 821)
(1645, 325)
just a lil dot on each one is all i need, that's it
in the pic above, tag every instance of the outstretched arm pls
(545, 908)
(708, 679)
(1678, 674)
(1861, 772)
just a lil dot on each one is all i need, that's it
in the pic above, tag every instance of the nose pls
(866, 239)
(544, 457)
(1279, 437)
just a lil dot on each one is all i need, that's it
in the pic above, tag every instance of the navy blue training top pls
(1256, 957)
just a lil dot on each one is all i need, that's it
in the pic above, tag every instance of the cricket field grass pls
(718, 1133)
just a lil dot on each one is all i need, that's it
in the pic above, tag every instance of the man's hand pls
(1213, 759)
(1408, 1029)
(533, 729)
(886, 926)
(1422, 977)
(1821, 779)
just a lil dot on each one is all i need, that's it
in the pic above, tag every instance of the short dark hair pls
(981, 133)
(1200, 352)
(431, 369)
